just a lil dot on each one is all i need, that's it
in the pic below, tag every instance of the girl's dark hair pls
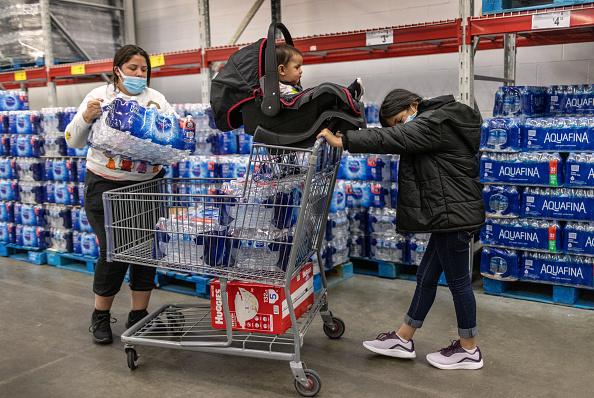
(124, 54)
(284, 53)
(395, 102)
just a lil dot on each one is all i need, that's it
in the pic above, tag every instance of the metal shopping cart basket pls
(218, 227)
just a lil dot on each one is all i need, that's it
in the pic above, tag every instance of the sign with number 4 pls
(551, 20)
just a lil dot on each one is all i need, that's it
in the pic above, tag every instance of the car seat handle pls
(271, 101)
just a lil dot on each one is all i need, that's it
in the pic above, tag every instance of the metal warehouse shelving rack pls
(465, 35)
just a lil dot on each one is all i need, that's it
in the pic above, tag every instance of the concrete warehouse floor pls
(531, 349)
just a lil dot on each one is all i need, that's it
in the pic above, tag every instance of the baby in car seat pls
(289, 61)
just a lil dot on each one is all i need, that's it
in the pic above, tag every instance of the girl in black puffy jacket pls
(439, 193)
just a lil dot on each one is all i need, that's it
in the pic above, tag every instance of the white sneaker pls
(391, 345)
(456, 357)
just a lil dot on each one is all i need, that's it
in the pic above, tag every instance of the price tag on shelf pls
(157, 60)
(77, 69)
(379, 37)
(20, 75)
(551, 20)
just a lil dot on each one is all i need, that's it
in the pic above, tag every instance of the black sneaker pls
(101, 328)
(134, 317)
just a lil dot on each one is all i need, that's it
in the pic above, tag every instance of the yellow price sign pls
(77, 69)
(20, 75)
(157, 60)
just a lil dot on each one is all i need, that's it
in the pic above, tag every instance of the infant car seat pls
(246, 92)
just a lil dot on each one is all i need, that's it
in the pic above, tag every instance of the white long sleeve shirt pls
(108, 165)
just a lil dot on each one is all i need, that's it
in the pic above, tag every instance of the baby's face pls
(293, 70)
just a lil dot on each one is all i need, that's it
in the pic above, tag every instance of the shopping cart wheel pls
(337, 330)
(314, 384)
(132, 357)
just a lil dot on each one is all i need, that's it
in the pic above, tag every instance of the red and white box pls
(260, 308)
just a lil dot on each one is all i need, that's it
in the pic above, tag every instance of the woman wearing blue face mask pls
(106, 171)
(439, 193)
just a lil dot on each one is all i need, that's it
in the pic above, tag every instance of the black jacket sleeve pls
(417, 136)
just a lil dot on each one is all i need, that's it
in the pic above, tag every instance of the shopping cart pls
(218, 227)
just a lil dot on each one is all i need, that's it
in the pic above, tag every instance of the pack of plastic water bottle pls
(578, 238)
(5, 142)
(60, 240)
(365, 167)
(372, 113)
(502, 200)
(562, 134)
(26, 145)
(359, 245)
(89, 244)
(54, 144)
(65, 193)
(559, 203)
(579, 170)
(382, 220)
(337, 226)
(65, 116)
(511, 101)
(29, 214)
(571, 100)
(30, 169)
(81, 169)
(129, 129)
(335, 253)
(541, 169)
(224, 143)
(24, 122)
(31, 191)
(78, 152)
(80, 221)
(7, 232)
(58, 216)
(7, 168)
(9, 190)
(359, 221)
(501, 264)
(14, 100)
(31, 236)
(7, 211)
(61, 169)
(545, 235)
(558, 269)
(501, 135)
(338, 201)
(81, 193)
(388, 246)
(417, 246)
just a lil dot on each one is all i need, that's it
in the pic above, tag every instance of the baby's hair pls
(284, 53)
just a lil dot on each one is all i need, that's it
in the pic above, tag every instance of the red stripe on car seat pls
(348, 94)
(233, 108)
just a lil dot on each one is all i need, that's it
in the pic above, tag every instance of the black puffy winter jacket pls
(439, 188)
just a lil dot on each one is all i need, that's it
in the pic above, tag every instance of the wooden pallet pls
(541, 292)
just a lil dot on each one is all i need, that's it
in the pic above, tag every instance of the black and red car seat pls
(246, 92)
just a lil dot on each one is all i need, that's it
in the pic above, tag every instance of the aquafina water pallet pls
(578, 238)
(502, 201)
(501, 134)
(541, 169)
(562, 204)
(579, 170)
(522, 234)
(571, 100)
(558, 269)
(558, 134)
(520, 101)
(501, 264)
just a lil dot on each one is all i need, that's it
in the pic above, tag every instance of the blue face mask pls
(410, 118)
(134, 85)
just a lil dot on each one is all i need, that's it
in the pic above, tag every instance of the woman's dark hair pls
(284, 53)
(124, 54)
(395, 102)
